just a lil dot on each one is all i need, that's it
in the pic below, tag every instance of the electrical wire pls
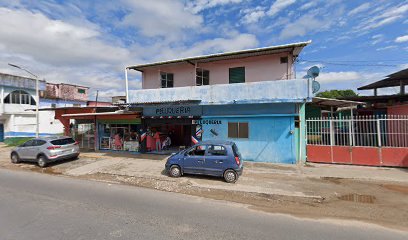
(350, 64)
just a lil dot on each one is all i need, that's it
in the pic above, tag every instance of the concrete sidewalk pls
(263, 178)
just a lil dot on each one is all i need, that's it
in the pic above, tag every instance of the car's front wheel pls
(42, 161)
(175, 171)
(230, 176)
(15, 158)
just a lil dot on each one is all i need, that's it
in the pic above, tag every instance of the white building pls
(17, 106)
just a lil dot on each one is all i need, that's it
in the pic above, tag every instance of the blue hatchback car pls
(215, 158)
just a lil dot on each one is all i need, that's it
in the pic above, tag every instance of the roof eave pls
(295, 47)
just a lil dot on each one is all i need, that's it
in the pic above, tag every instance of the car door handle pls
(200, 161)
(219, 161)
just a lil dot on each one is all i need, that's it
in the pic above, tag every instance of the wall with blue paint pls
(270, 125)
(293, 90)
(270, 138)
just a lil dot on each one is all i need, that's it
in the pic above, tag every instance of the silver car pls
(46, 150)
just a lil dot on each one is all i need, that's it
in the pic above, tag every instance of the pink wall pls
(65, 92)
(259, 68)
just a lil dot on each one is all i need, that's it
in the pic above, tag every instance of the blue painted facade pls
(1, 132)
(271, 129)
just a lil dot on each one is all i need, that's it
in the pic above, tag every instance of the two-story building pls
(251, 97)
(60, 95)
(17, 96)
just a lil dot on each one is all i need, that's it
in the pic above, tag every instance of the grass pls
(15, 141)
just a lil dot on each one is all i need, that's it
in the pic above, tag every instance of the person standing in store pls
(156, 137)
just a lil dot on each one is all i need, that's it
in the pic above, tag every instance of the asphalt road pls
(37, 206)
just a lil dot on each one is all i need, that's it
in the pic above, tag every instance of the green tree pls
(337, 94)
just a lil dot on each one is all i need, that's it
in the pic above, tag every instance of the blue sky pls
(91, 42)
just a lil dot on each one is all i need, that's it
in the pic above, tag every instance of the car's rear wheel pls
(42, 161)
(15, 158)
(175, 171)
(230, 176)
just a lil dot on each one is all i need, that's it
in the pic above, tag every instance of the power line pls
(349, 64)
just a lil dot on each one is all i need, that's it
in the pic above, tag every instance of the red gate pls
(361, 140)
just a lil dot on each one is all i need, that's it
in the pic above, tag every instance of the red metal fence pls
(362, 140)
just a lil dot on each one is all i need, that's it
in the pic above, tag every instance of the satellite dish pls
(313, 71)
(315, 86)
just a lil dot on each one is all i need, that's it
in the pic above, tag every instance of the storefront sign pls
(207, 122)
(172, 111)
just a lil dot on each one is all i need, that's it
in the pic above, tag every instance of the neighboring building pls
(251, 97)
(17, 111)
(57, 95)
(396, 104)
(373, 133)
(118, 99)
(17, 99)
(98, 104)
(63, 95)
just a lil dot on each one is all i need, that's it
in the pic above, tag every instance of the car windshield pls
(64, 141)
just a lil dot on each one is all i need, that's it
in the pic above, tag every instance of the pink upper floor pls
(257, 68)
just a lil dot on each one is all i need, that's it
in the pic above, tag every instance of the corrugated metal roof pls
(160, 103)
(392, 80)
(331, 102)
(295, 47)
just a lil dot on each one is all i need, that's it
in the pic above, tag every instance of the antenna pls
(312, 73)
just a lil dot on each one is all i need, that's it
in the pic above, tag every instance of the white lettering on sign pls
(207, 122)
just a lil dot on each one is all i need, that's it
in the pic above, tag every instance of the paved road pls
(36, 206)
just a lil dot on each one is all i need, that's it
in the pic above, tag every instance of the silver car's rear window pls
(64, 141)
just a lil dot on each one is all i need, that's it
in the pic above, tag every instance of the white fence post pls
(379, 133)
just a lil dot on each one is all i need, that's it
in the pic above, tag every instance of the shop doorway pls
(166, 136)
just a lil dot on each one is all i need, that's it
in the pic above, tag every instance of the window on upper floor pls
(82, 91)
(202, 77)
(283, 60)
(237, 75)
(19, 97)
(167, 80)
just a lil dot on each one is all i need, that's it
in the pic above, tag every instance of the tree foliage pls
(337, 94)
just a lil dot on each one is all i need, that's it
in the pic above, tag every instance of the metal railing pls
(370, 131)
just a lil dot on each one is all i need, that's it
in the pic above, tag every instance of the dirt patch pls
(353, 197)
(396, 188)
(335, 180)
(268, 166)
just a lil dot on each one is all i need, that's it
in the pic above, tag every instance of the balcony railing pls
(294, 90)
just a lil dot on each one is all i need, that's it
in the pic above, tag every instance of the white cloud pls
(401, 39)
(302, 26)
(200, 5)
(279, 5)
(331, 77)
(253, 15)
(308, 5)
(382, 18)
(363, 7)
(386, 48)
(164, 18)
(377, 39)
(54, 41)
